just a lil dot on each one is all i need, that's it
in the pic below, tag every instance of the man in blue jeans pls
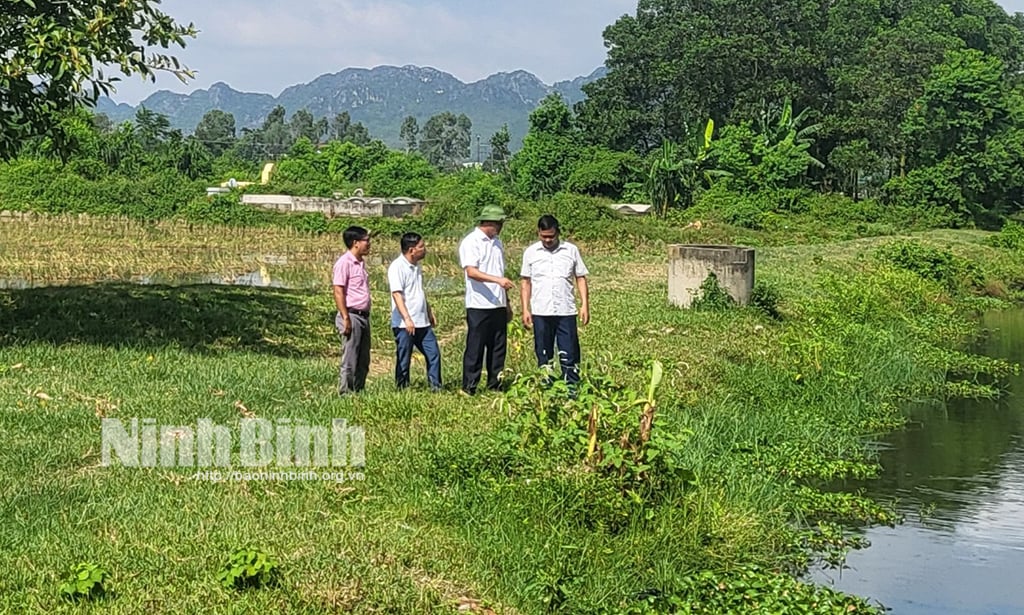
(412, 319)
(550, 267)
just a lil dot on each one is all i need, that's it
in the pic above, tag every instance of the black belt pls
(364, 313)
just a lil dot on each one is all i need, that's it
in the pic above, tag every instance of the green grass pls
(450, 511)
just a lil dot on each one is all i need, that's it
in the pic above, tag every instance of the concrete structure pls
(265, 173)
(234, 183)
(356, 206)
(689, 265)
(632, 209)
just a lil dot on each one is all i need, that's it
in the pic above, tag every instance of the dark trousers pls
(423, 340)
(355, 353)
(485, 340)
(560, 330)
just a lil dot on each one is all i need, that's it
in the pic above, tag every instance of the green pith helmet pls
(491, 213)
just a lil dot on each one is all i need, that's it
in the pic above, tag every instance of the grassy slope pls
(762, 402)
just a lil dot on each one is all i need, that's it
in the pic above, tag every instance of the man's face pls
(417, 252)
(548, 238)
(491, 228)
(362, 246)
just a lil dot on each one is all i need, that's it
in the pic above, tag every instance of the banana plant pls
(674, 177)
(649, 406)
(647, 416)
(789, 131)
(664, 179)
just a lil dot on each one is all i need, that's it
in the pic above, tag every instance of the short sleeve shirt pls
(488, 255)
(552, 273)
(350, 272)
(407, 278)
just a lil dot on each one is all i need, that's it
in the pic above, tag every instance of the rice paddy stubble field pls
(762, 406)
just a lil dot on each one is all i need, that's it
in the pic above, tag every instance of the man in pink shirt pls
(352, 296)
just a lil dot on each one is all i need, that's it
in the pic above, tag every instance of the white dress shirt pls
(408, 278)
(551, 274)
(488, 255)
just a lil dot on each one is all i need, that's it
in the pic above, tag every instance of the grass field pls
(480, 504)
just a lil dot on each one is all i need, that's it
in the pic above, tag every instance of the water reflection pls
(263, 277)
(957, 477)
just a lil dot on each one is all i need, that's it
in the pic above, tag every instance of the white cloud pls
(264, 46)
(268, 45)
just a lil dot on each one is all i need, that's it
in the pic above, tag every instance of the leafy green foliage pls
(216, 131)
(766, 297)
(456, 200)
(600, 424)
(1011, 237)
(954, 273)
(499, 155)
(917, 96)
(86, 581)
(749, 589)
(602, 172)
(400, 175)
(55, 53)
(712, 296)
(445, 140)
(249, 569)
(543, 165)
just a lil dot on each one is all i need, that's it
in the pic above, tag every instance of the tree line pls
(913, 104)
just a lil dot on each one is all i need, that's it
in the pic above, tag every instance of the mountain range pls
(379, 97)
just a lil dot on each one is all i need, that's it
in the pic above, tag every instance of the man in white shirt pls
(482, 258)
(550, 267)
(412, 319)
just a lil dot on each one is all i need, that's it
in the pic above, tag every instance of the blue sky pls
(268, 45)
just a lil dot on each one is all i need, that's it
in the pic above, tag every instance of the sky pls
(267, 45)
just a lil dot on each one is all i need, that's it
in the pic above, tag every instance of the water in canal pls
(958, 475)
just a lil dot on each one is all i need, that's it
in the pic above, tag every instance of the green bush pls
(249, 569)
(401, 175)
(952, 272)
(455, 200)
(86, 581)
(1011, 237)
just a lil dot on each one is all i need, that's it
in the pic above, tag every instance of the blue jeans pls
(426, 342)
(561, 330)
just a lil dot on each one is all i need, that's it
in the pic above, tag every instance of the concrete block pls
(689, 265)
(267, 199)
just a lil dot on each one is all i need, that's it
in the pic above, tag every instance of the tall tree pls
(550, 147)
(152, 128)
(446, 139)
(344, 130)
(302, 125)
(340, 126)
(500, 155)
(409, 132)
(54, 53)
(968, 133)
(675, 63)
(216, 131)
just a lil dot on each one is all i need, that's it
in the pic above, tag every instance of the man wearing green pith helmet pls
(488, 312)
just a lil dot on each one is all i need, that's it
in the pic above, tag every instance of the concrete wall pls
(689, 266)
(332, 208)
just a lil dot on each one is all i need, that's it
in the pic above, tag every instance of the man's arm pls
(399, 298)
(475, 274)
(525, 292)
(581, 283)
(339, 301)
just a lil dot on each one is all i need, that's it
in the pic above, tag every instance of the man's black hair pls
(409, 241)
(547, 222)
(353, 234)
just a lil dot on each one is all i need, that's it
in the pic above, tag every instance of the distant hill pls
(380, 98)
